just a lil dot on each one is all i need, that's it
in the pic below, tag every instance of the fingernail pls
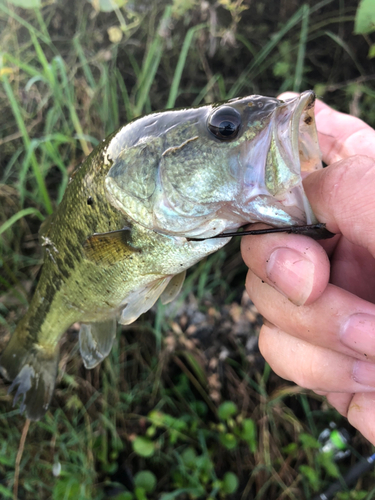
(364, 373)
(291, 274)
(358, 333)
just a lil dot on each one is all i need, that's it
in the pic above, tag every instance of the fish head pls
(202, 171)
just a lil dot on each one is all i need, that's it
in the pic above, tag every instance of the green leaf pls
(189, 456)
(5, 493)
(230, 483)
(365, 17)
(140, 493)
(26, 4)
(249, 433)
(328, 463)
(196, 367)
(311, 475)
(227, 410)
(290, 449)
(9, 461)
(371, 52)
(145, 479)
(67, 488)
(228, 440)
(106, 5)
(308, 442)
(143, 446)
(124, 495)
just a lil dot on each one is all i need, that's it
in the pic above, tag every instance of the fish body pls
(120, 236)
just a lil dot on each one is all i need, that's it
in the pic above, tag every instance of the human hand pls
(318, 297)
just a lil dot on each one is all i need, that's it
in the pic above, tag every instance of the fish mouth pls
(274, 193)
(296, 138)
(304, 136)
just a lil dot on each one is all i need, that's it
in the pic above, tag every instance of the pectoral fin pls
(95, 341)
(109, 248)
(142, 300)
(173, 288)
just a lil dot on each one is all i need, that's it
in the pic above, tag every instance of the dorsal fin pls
(109, 248)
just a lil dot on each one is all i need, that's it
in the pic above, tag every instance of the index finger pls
(340, 135)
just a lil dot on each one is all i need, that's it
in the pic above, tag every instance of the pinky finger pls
(340, 401)
(361, 413)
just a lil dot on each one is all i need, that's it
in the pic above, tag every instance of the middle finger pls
(337, 320)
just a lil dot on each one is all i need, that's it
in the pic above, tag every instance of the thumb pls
(342, 196)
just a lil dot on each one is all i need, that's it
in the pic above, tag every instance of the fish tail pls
(32, 368)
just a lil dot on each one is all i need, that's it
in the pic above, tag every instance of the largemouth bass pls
(127, 227)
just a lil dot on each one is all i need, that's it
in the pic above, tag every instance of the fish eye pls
(224, 123)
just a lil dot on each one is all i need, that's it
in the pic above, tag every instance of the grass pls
(184, 407)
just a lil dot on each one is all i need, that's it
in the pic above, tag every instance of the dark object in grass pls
(349, 479)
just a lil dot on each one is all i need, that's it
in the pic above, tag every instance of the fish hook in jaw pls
(315, 231)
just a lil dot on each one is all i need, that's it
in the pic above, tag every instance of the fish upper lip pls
(306, 102)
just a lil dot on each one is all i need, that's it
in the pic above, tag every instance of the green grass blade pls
(43, 26)
(27, 143)
(125, 96)
(263, 54)
(181, 64)
(30, 28)
(43, 60)
(206, 89)
(347, 49)
(9, 168)
(84, 62)
(70, 103)
(22, 65)
(247, 44)
(150, 65)
(301, 48)
(149, 78)
(51, 149)
(22, 213)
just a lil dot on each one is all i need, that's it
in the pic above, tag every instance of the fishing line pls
(315, 231)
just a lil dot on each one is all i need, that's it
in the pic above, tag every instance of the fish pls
(145, 206)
